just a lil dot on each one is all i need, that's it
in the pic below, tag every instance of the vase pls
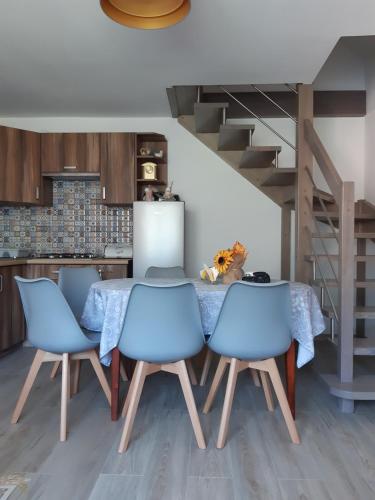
(233, 275)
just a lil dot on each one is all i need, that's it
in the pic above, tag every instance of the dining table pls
(107, 301)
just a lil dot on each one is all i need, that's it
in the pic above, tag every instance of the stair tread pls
(235, 126)
(211, 105)
(364, 346)
(369, 236)
(234, 137)
(263, 148)
(357, 258)
(370, 283)
(360, 312)
(280, 177)
(335, 215)
(362, 387)
(259, 157)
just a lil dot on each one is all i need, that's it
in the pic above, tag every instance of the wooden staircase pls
(329, 219)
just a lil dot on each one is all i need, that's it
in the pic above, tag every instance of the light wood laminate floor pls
(335, 461)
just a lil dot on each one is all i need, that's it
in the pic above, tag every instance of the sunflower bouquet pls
(228, 264)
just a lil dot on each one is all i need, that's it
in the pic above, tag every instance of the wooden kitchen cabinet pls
(117, 176)
(20, 175)
(113, 271)
(51, 271)
(70, 153)
(36, 190)
(12, 329)
(10, 165)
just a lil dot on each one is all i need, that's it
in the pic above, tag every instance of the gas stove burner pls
(67, 256)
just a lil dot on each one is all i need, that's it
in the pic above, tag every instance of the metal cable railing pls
(273, 102)
(260, 119)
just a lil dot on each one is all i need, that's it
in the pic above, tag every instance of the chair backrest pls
(162, 323)
(51, 324)
(165, 272)
(75, 282)
(254, 321)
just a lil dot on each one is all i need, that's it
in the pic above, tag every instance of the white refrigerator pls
(158, 235)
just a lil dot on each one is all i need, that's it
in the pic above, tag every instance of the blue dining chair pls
(75, 283)
(175, 272)
(254, 326)
(162, 328)
(53, 330)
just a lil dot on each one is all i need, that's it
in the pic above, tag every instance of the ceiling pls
(65, 57)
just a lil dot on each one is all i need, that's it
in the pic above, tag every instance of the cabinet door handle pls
(1, 283)
(70, 167)
(103, 192)
(37, 193)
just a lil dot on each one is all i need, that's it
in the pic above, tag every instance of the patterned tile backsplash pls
(77, 222)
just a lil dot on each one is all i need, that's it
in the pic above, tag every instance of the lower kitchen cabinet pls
(113, 271)
(51, 271)
(12, 324)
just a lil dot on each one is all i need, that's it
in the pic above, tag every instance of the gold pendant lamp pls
(146, 14)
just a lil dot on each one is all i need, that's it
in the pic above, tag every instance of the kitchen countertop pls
(4, 262)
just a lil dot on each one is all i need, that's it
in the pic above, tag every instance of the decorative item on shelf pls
(144, 151)
(149, 170)
(149, 194)
(168, 195)
(228, 264)
(159, 154)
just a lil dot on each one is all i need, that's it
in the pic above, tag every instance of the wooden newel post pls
(285, 242)
(346, 290)
(304, 187)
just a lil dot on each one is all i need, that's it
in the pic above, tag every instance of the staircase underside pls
(277, 184)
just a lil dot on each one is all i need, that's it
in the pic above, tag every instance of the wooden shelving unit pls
(155, 143)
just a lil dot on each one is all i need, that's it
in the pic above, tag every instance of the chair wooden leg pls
(65, 383)
(30, 379)
(190, 403)
(128, 396)
(267, 390)
(55, 369)
(123, 372)
(100, 374)
(227, 407)
(255, 377)
(190, 369)
(206, 366)
(139, 378)
(215, 384)
(281, 396)
(75, 379)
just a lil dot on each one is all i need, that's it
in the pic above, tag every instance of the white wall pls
(370, 132)
(221, 205)
(344, 69)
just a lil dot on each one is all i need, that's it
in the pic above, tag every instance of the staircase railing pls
(343, 193)
(259, 118)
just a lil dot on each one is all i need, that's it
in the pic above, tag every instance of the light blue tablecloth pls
(107, 301)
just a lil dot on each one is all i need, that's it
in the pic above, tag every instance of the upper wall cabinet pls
(117, 173)
(36, 190)
(10, 165)
(71, 153)
(21, 181)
